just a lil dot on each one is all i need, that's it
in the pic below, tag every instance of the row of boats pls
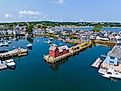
(5, 43)
(8, 63)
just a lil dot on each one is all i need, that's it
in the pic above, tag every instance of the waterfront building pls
(55, 51)
(102, 38)
(111, 60)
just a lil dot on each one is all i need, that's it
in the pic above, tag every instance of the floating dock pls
(72, 51)
(97, 63)
(13, 53)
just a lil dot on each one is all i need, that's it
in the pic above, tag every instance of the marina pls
(77, 66)
(60, 45)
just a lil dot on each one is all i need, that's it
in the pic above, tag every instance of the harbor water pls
(90, 28)
(74, 74)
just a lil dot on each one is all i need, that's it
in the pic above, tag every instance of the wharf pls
(55, 60)
(14, 52)
(107, 43)
(97, 63)
(73, 50)
(104, 66)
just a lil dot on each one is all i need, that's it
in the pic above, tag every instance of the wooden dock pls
(106, 43)
(73, 50)
(13, 53)
(97, 63)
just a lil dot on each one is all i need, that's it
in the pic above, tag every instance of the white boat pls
(111, 73)
(48, 42)
(51, 38)
(10, 63)
(9, 42)
(1, 44)
(116, 75)
(106, 75)
(5, 43)
(29, 45)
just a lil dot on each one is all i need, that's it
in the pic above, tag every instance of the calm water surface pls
(89, 28)
(75, 74)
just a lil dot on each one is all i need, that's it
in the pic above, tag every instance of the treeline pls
(53, 24)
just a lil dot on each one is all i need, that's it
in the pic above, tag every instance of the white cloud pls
(59, 1)
(30, 13)
(8, 16)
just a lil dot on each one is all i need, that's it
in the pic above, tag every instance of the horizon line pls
(58, 21)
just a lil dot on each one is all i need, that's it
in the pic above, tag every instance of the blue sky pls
(60, 10)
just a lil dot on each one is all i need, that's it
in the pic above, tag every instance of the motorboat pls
(9, 42)
(5, 43)
(106, 75)
(29, 45)
(10, 63)
(48, 42)
(111, 73)
(1, 44)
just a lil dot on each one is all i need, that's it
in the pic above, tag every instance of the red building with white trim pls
(55, 51)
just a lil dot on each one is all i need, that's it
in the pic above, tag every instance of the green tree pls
(30, 28)
(44, 27)
(97, 28)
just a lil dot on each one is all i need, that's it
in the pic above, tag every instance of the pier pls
(112, 61)
(97, 63)
(106, 43)
(115, 53)
(72, 51)
(15, 52)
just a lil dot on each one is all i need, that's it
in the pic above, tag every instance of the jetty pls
(71, 51)
(106, 43)
(12, 53)
(97, 63)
